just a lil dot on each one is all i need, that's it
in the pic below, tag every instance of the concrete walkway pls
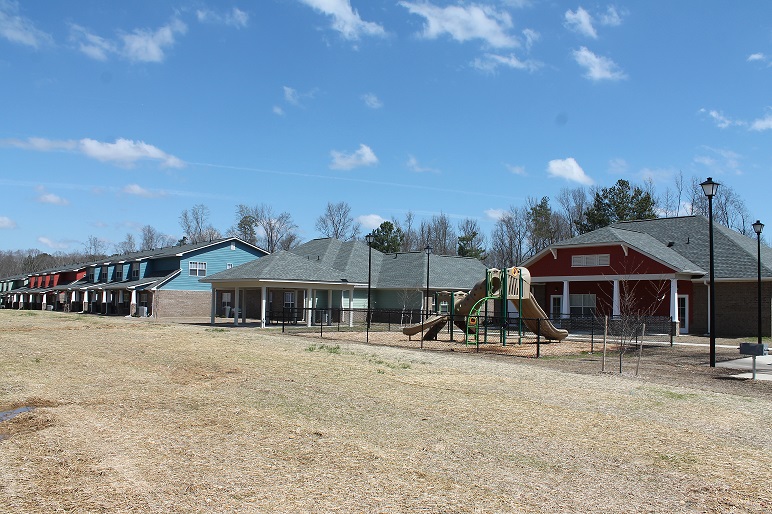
(763, 367)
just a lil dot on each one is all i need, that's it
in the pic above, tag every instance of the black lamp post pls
(709, 188)
(758, 227)
(369, 238)
(428, 252)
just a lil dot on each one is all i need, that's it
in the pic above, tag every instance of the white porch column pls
(43, 302)
(213, 307)
(133, 303)
(351, 307)
(263, 302)
(308, 304)
(236, 306)
(565, 306)
(616, 305)
(84, 307)
(674, 300)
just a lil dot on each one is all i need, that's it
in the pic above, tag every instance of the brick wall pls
(736, 309)
(172, 304)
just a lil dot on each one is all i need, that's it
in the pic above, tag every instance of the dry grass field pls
(133, 416)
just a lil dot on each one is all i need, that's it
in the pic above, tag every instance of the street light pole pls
(709, 188)
(758, 227)
(428, 253)
(369, 238)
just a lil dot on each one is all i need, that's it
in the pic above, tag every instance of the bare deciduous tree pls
(128, 245)
(275, 231)
(152, 239)
(94, 247)
(439, 233)
(508, 240)
(337, 223)
(411, 239)
(195, 224)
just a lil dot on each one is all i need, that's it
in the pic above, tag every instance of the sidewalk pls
(763, 367)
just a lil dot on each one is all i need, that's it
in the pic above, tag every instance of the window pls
(556, 306)
(91, 274)
(119, 273)
(196, 269)
(590, 260)
(582, 304)
(289, 299)
(135, 271)
(229, 265)
(233, 246)
(103, 274)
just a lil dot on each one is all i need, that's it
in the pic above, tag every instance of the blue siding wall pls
(216, 258)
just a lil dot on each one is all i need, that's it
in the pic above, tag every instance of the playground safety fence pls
(492, 333)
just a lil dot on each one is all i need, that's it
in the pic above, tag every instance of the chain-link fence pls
(526, 337)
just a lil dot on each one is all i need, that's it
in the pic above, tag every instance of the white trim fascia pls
(554, 252)
(603, 278)
(706, 280)
(280, 283)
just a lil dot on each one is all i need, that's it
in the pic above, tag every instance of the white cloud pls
(720, 160)
(413, 165)
(56, 245)
(92, 45)
(580, 21)
(234, 18)
(531, 36)
(278, 110)
(372, 101)
(465, 22)
(491, 62)
(756, 57)
(18, 29)
(611, 18)
(123, 152)
(370, 221)
(137, 190)
(762, 124)
(364, 156)
(495, 214)
(144, 45)
(598, 67)
(7, 223)
(721, 120)
(345, 19)
(517, 170)
(568, 169)
(52, 199)
(617, 166)
(291, 95)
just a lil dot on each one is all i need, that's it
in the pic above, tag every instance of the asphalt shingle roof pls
(683, 243)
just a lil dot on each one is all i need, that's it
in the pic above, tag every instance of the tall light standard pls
(758, 227)
(709, 188)
(428, 252)
(369, 238)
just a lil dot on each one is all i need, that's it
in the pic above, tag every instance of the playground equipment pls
(468, 309)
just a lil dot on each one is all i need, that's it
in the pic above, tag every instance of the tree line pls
(519, 232)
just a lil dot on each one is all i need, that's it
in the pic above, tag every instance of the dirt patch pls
(176, 418)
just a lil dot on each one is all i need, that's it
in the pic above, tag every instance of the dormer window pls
(103, 274)
(135, 271)
(91, 274)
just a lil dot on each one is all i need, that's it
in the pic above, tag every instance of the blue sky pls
(116, 115)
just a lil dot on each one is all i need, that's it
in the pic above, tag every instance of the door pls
(556, 306)
(683, 313)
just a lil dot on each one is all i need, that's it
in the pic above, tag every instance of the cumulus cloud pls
(720, 160)
(372, 101)
(568, 169)
(52, 199)
(762, 124)
(141, 45)
(56, 245)
(234, 18)
(491, 62)
(96, 47)
(413, 165)
(278, 111)
(370, 221)
(720, 120)
(756, 57)
(580, 21)
(611, 18)
(364, 156)
(18, 29)
(617, 166)
(465, 23)
(123, 152)
(495, 214)
(137, 190)
(598, 67)
(516, 170)
(345, 19)
(145, 45)
(7, 223)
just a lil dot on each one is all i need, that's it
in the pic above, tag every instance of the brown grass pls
(135, 417)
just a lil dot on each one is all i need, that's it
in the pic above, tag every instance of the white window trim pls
(196, 269)
(592, 260)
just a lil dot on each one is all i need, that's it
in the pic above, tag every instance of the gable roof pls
(682, 243)
(333, 261)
